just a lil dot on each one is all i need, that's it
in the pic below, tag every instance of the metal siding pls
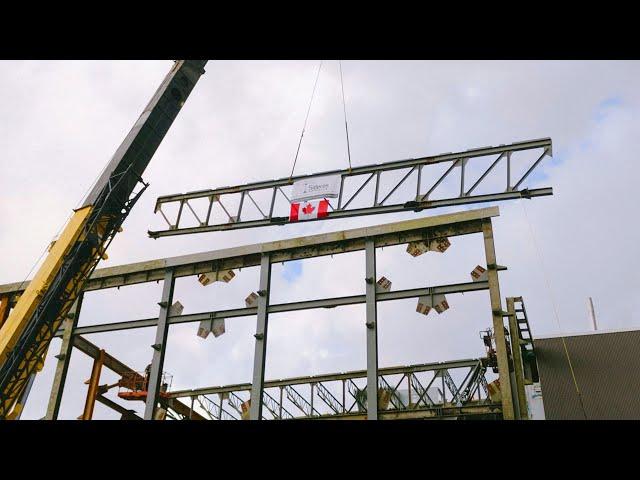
(607, 369)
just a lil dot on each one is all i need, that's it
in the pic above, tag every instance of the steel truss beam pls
(300, 393)
(274, 213)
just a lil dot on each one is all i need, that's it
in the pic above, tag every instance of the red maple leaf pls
(308, 209)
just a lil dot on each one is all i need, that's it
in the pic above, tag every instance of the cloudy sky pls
(61, 121)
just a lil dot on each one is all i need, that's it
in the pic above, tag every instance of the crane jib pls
(25, 336)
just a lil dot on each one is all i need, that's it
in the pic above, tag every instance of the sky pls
(61, 121)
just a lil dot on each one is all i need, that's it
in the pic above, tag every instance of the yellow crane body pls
(26, 305)
(40, 310)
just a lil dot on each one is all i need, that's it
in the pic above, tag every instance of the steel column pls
(64, 357)
(516, 354)
(92, 391)
(372, 330)
(259, 357)
(153, 390)
(498, 323)
(19, 408)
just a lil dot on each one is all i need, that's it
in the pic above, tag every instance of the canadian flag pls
(308, 210)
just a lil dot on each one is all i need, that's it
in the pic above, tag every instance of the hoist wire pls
(555, 308)
(344, 109)
(295, 160)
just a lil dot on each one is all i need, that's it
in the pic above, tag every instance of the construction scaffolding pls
(398, 392)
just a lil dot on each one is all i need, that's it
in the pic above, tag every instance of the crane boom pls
(27, 332)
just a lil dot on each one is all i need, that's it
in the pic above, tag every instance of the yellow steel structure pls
(29, 300)
(40, 310)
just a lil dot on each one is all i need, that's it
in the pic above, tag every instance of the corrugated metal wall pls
(607, 368)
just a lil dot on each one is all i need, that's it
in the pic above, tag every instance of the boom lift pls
(37, 315)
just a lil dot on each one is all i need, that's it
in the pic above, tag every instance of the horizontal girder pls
(229, 208)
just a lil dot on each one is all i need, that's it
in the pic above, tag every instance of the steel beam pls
(122, 369)
(64, 358)
(397, 370)
(159, 347)
(260, 353)
(372, 330)
(448, 225)
(498, 323)
(492, 410)
(415, 206)
(125, 412)
(305, 401)
(412, 167)
(112, 363)
(285, 307)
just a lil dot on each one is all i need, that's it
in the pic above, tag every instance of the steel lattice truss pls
(403, 185)
(415, 391)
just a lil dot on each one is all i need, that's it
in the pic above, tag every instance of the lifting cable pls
(344, 109)
(305, 119)
(555, 308)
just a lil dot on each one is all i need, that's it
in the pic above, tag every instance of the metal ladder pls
(525, 339)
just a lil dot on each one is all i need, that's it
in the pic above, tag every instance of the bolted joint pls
(259, 336)
(61, 356)
(156, 346)
(370, 324)
(369, 280)
(163, 304)
(262, 293)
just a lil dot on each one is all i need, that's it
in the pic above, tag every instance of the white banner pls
(318, 187)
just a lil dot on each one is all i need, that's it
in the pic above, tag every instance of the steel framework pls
(263, 255)
(339, 395)
(219, 201)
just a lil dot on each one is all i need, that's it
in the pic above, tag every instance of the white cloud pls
(61, 122)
